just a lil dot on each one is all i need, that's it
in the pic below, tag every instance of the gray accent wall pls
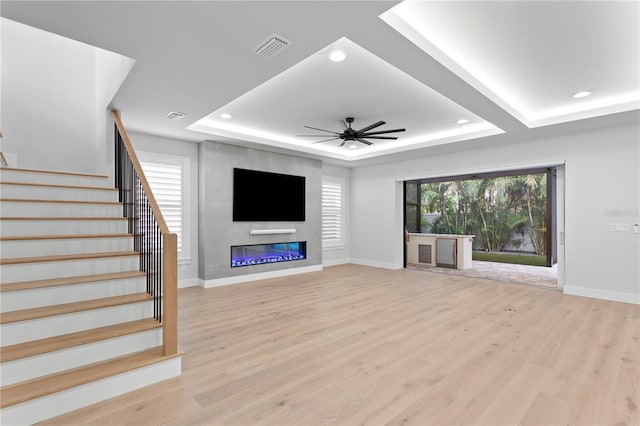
(218, 232)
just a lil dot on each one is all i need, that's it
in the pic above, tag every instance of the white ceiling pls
(531, 57)
(318, 92)
(510, 67)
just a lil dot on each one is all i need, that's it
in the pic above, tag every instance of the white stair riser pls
(52, 178)
(55, 362)
(13, 228)
(27, 209)
(40, 409)
(66, 268)
(37, 297)
(26, 248)
(41, 328)
(53, 193)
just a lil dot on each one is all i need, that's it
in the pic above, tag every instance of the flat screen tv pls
(267, 197)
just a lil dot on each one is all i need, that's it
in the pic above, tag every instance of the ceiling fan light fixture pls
(337, 56)
(350, 136)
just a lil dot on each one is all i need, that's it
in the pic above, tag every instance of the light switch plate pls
(619, 227)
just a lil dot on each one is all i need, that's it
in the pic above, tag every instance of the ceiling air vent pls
(175, 115)
(271, 46)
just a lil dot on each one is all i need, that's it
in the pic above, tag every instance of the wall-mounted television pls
(267, 197)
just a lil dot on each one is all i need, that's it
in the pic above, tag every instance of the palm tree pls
(490, 208)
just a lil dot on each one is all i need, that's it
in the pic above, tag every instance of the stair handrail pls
(166, 299)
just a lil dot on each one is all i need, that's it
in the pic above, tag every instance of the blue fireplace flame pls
(259, 254)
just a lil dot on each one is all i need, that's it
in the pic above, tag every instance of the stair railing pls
(157, 246)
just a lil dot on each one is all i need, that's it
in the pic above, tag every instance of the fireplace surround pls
(260, 254)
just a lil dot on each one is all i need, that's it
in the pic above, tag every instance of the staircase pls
(78, 323)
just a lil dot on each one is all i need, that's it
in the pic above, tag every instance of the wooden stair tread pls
(46, 385)
(34, 200)
(58, 185)
(65, 218)
(16, 169)
(64, 237)
(63, 257)
(81, 279)
(68, 308)
(65, 341)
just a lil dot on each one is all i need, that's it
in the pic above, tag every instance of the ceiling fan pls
(351, 135)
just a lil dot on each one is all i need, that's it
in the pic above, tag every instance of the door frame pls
(554, 212)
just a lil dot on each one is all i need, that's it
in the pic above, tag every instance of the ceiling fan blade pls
(379, 137)
(322, 130)
(344, 124)
(326, 140)
(364, 142)
(311, 136)
(372, 126)
(380, 132)
(343, 142)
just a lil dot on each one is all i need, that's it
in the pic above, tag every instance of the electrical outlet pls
(635, 228)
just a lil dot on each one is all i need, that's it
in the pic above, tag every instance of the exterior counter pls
(445, 250)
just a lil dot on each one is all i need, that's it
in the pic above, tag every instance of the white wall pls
(187, 273)
(110, 71)
(54, 92)
(602, 186)
(339, 254)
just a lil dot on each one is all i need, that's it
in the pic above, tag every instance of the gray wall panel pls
(218, 232)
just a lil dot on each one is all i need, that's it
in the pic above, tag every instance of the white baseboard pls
(375, 264)
(615, 296)
(334, 262)
(189, 282)
(258, 276)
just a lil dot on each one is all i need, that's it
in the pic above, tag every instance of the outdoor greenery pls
(521, 259)
(492, 209)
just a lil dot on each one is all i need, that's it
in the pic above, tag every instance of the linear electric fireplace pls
(259, 254)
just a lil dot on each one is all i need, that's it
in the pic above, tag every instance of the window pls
(166, 175)
(332, 212)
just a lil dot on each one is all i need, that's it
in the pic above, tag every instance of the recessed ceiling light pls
(175, 115)
(353, 146)
(225, 115)
(583, 94)
(462, 121)
(337, 56)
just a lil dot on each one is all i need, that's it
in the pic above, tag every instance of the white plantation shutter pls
(166, 183)
(332, 213)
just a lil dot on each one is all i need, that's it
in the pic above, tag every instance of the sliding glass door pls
(510, 212)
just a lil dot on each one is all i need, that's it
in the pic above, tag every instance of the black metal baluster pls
(160, 292)
(142, 223)
(156, 272)
(130, 199)
(147, 253)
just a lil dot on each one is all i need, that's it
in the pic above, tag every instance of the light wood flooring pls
(355, 345)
